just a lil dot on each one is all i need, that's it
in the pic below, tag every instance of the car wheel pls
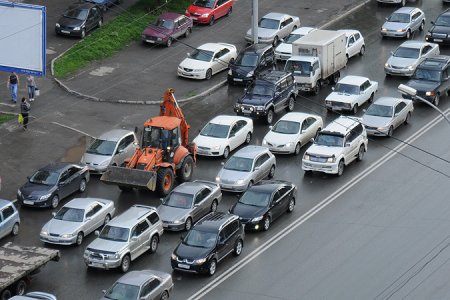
(188, 224)
(154, 242)
(422, 26)
(5, 294)
(165, 295)
(238, 247)
(188, 32)
(107, 219)
(100, 23)
(230, 10)
(83, 33)
(390, 131)
(186, 169)
(79, 239)
(208, 74)
(82, 186)
(436, 100)
(408, 116)
(211, 21)
(269, 117)
(291, 104)
(20, 287)
(297, 149)
(362, 50)
(361, 153)
(275, 41)
(408, 34)
(248, 138)
(212, 267)
(271, 172)
(226, 152)
(15, 229)
(125, 264)
(214, 206)
(55, 201)
(291, 205)
(164, 181)
(355, 109)
(169, 42)
(317, 88)
(266, 223)
(341, 167)
(371, 98)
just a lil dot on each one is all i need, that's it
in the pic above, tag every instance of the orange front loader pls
(165, 152)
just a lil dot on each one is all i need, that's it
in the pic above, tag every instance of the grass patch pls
(114, 35)
(6, 117)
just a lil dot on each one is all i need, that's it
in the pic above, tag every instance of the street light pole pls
(255, 21)
(407, 90)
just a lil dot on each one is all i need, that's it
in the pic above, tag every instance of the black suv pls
(267, 95)
(432, 78)
(440, 31)
(251, 62)
(211, 239)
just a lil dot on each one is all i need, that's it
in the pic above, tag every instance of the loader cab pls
(160, 138)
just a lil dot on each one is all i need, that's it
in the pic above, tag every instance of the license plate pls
(53, 239)
(65, 31)
(438, 40)
(96, 264)
(183, 266)
(165, 225)
(28, 202)
(237, 79)
(150, 41)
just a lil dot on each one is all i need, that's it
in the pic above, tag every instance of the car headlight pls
(178, 221)
(252, 108)
(381, 129)
(306, 156)
(410, 68)
(328, 102)
(431, 93)
(257, 219)
(250, 74)
(205, 15)
(240, 181)
(159, 39)
(77, 28)
(264, 142)
(200, 261)
(230, 72)
(383, 29)
(217, 178)
(19, 193)
(43, 232)
(331, 159)
(57, 25)
(387, 65)
(186, 11)
(260, 108)
(174, 257)
(289, 144)
(216, 147)
(67, 236)
(401, 30)
(45, 197)
(429, 33)
(116, 256)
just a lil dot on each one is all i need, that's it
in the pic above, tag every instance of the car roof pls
(130, 217)
(413, 44)
(250, 151)
(212, 222)
(269, 186)
(211, 46)
(190, 187)
(56, 167)
(343, 124)
(303, 30)
(227, 120)
(83, 203)
(349, 32)
(4, 203)
(257, 48)
(388, 101)
(295, 116)
(137, 277)
(353, 80)
(274, 15)
(437, 62)
(404, 10)
(114, 134)
(169, 16)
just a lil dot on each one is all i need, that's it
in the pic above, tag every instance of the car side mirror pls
(396, 114)
(120, 150)
(432, 22)
(61, 183)
(386, 19)
(54, 213)
(222, 163)
(312, 140)
(257, 168)
(104, 292)
(332, 88)
(347, 144)
(161, 199)
(88, 218)
(364, 110)
(270, 127)
(232, 134)
(392, 52)
(134, 238)
(188, 54)
(97, 233)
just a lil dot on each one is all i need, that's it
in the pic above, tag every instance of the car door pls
(216, 64)
(278, 98)
(399, 114)
(350, 147)
(221, 9)
(182, 26)
(97, 215)
(233, 137)
(258, 172)
(445, 86)
(365, 92)
(241, 134)
(125, 149)
(139, 238)
(265, 165)
(305, 131)
(351, 45)
(74, 179)
(226, 243)
(200, 208)
(6, 220)
(64, 184)
(286, 27)
(151, 290)
(416, 20)
(3, 228)
(90, 19)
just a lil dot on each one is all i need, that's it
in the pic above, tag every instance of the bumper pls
(393, 33)
(209, 152)
(68, 32)
(280, 150)
(58, 240)
(250, 114)
(153, 41)
(192, 75)
(96, 170)
(377, 131)
(329, 168)
(173, 226)
(200, 19)
(190, 268)
(398, 72)
(102, 264)
(239, 80)
(35, 203)
(339, 108)
(253, 226)
(438, 40)
(261, 40)
(233, 187)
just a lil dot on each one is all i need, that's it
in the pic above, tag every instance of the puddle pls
(74, 154)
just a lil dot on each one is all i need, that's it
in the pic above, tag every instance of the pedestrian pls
(31, 87)
(12, 84)
(24, 110)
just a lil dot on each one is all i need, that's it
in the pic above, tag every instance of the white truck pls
(317, 58)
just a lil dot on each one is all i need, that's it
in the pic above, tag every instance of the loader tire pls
(186, 170)
(164, 181)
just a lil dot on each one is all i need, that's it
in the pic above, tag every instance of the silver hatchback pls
(9, 219)
(403, 22)
(246, 167)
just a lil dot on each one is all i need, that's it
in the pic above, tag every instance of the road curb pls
(344, 14)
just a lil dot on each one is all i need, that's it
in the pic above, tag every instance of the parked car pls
(268, 95)
(403, 22)
(405, 59)
(284, 49)
(210, 240)
(386, 114)
(141, 285)
(440, 29)
(188, 203)
(77, 219)
(251, 62)
(9, 219)
(350, 93)
(52, 183)
(431, 79)
(79, 19)
(246, 167)
(125, 238)
(223, 134)
(336, 146)
(273, 27)
(354, 42)
(35, 296)
(264, 202)
(110, 148)
(105, 4)
(208, 11)
(291, 132)
(207, 60)
(167, 28)
(399, 2)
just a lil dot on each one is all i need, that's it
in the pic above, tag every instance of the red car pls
(207, 11)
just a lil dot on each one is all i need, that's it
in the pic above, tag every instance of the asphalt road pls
(361, 246)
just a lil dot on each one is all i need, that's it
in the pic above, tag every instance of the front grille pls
(188, 70)
(185, 260)
(228, 181)
(439, 35)
(203, 148)
(54, 234)
(98, 252)
(396, 67)
(149, 37)
(318, 158)
(339, 104)
(371, 128)
(195, 14)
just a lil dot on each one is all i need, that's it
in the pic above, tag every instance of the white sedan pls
(207, 60)
(284, 49)
(223, 134)
(350, 93)
(291, 132)
(355, 42)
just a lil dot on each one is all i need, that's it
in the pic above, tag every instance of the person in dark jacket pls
(12, 84)
(24, 110)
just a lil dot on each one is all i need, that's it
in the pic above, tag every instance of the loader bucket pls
(127, 177)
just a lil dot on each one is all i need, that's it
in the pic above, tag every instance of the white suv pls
(336, 146)
(125, 238)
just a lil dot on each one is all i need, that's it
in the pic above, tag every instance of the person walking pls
(12, 84)
(31, 87)
(24, 110)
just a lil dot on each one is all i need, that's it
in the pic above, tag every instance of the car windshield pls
(215, 130)
(268, 23)
(79, 14)
(113, 233)
(330, 140)
(346, 88)
(241, 164)
(204, 3)
(202, 239)
(425, 74)
(102, 147)
(44, 177)
(298, 68)
(168, 24)
(292, 38)
(379, 110)
(406, 52)
(286, 127)
(443, 21)
(122, 291)
(255, 198)
(70, 214)
(203, 55)
(260, 90)
(399, 18)
(247, 60)
(179, 200)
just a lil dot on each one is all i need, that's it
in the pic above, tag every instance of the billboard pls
(22, 38)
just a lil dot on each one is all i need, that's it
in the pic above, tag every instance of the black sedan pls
(262, 203)
(79, 19)
(47, 186)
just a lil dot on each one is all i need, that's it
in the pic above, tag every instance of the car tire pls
(266, 223)
(188, 32)
(297, 149)
(20, 287)
(188, 224)
(291, 205)
(317, 88)
(238, 247)
(107, 219)
(269, 117)
(408, 34)
(15, 229)
(214, 206)
(271, 172)
(355, 109)
(169, 42)
(212, 267)
(408, 117)
(54, 202)
(125, 263)
(208, 74)
(275, 41)
(165, 295)
(341, 167)
(371, 98)
(154, 242)
(83, 33)
(5, 294)
(226, 152)
(390, 131)
(362, 50)
(164, 181)
(422, 26)
(211, 21)
(187, 168)
(361, 153)
(230, 10)
(436, 100)
(291, 104)
(125, 188)
(79, 239)
(82, 186)
(248, 138)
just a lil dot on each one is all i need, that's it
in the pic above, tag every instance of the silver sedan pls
(188, 203)
(77, 219)
(246, 167)
(386, 114)
(403, 22)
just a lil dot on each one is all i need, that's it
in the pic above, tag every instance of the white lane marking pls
(8, 104)
(321, 205)
(71, 128)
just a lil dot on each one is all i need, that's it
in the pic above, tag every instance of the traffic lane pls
(385, 237)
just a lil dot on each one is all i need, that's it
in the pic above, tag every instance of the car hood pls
(283, 47)
(256, 100)
(190, 63)
(191, 252)
(241, 71)
(155, 31)
(325, 151)
(170, 214)
(233, 175)
(248, 211)
(264, 32)
(32, 189)
(394, 25)
(279, 138)
(61, 227)
(96, 159)
(375, 121)
(69, 22)
(423, 85)
(198, 10)
(440, 29)
(208, 141)
(401, 61)
(106, 245)
(341, 97)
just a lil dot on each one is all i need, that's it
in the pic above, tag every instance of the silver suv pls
(125, 238)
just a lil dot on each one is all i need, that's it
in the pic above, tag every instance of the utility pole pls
(255, 21)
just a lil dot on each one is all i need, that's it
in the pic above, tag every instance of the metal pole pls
(255, 21)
